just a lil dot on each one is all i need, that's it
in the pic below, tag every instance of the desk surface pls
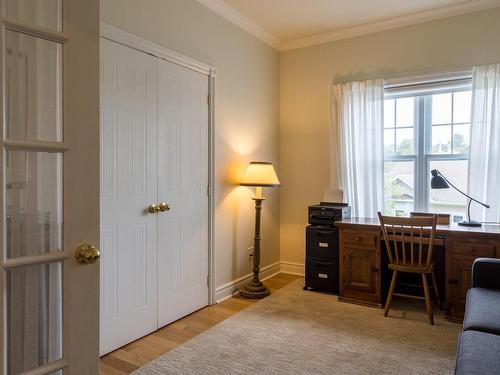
(372, 223)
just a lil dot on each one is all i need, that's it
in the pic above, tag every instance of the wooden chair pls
(409, 243)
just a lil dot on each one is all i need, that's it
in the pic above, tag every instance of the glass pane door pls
(33, 260)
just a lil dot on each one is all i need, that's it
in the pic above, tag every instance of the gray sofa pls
(479, 342)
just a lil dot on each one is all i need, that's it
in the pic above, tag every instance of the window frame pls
(422, 136)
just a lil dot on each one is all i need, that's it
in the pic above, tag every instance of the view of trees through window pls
(421, 133)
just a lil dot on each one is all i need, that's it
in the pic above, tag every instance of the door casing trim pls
(130, 40)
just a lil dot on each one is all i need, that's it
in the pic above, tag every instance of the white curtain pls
(357, 120)
(484, 162)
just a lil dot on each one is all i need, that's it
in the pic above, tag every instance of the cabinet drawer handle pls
(472, 249)
(453, 281)
(325, 233)
(357, 239)
(374, 269)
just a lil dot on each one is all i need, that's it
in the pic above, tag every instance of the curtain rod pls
(463, 82)
(464, 73)
(457, 76)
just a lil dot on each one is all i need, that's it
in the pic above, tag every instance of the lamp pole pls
(255, 288)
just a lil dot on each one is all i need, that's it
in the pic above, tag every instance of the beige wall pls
(305, 77)
(247, 114)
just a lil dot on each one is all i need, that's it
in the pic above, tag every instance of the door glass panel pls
(34, 316)
(33, 202)
(33, 88)
(44, 13)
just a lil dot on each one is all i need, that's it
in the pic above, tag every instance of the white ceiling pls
(287, 24)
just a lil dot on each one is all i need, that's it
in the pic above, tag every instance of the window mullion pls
(452, 121)
(420, 165)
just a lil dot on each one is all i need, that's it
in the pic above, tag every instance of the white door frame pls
(127, 39)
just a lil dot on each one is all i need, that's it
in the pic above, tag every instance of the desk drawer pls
(473, 249)
(359, 238)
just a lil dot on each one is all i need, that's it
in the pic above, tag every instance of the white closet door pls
(182, 183)
(128, 186)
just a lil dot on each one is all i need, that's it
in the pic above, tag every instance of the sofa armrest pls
(486, 273)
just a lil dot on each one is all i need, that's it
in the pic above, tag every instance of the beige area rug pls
(303, 332)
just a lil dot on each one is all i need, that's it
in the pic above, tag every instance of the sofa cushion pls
(482, 310)
(478, 353)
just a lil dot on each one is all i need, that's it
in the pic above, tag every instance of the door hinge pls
(209, 99)
(208, 190)
(208, 280)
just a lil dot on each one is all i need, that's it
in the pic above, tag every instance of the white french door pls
(154, 202)
(50, 187)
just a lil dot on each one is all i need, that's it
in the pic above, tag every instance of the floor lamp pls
(259, 174)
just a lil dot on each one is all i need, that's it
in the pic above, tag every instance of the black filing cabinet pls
(322, 258)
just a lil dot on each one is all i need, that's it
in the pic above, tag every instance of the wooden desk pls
(363, 261)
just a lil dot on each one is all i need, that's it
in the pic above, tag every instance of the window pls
(426, 129)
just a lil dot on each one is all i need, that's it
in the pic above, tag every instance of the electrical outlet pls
(250, 252)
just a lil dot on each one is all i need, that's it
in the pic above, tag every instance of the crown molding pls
(115, 34)
(235, 17)
(467, 6)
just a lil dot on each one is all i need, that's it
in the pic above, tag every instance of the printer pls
(327, 213)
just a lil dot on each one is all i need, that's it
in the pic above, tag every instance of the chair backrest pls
(409, 241)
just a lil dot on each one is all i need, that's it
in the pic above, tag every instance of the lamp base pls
(470, 223)
(255, 290)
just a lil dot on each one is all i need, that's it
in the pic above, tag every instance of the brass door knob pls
(163, 207)
(87, 254)
(153, 208)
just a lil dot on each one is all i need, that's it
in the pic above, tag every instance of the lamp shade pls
(260, 173)
(437, 181)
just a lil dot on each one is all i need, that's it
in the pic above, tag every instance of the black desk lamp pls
(438, 181)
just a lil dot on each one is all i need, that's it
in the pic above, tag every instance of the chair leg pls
(428, 303)
(436, 291)
(391, 292)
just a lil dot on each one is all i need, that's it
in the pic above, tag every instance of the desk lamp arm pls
(467, 195)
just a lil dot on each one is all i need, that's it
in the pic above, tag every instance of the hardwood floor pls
(136, 354)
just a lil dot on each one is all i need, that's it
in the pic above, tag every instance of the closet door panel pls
(182, 184)
(128, 185)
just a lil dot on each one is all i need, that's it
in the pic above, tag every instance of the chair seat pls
(411, 269)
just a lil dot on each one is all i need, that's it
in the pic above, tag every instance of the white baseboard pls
(226, 291)
(293, 268)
